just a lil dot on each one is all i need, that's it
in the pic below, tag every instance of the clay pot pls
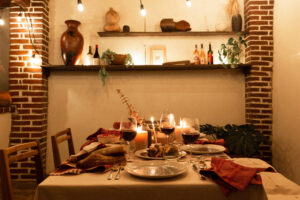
(167, 25)
(119, 59)
(71, 43)
(5, 99)
(182, 26)
(236, 23)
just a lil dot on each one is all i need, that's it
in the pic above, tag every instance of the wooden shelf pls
(134, 34)
(48, 69)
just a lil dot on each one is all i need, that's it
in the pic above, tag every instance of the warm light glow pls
(188, 3)
(1, 22)
(80, 6)
(152, 119)
(35, 60)
(19, 18)
(143, 12)
(139, 129)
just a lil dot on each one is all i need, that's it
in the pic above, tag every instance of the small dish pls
(204, 148)
(144, 154)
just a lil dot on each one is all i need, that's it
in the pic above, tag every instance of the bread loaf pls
(94, 160)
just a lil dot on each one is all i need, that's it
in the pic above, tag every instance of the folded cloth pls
(219, 142)
(68, 168)
(231, 176)
(93, 137)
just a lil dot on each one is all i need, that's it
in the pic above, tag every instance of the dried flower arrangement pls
(233, 8)
(133, 114)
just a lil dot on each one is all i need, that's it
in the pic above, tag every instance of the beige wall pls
(79, 101)
(5, 122)
(286, 149)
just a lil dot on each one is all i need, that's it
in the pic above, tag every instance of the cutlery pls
(117, 177)
(110, 176)
(195, 168)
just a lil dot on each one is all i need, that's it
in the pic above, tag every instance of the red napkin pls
(116, 125)
(231, 176)
(93, 137)
(219, 142)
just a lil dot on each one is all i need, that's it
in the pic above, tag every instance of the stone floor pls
(23, 190)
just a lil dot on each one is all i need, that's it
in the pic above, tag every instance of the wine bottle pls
(196, 56)
(210, 56)
(89, 57)
(96, 58)
(202, 56)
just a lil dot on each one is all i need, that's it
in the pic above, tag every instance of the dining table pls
(187, 186)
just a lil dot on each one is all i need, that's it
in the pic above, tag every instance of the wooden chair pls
(9, 156)
(59, 138)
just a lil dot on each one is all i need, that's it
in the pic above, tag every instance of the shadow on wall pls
(4, 50)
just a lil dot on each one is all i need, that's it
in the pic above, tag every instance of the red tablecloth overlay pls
(231, 176)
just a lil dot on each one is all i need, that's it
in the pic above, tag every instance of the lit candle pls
(155, 136)
(141, 139)
(182, 128)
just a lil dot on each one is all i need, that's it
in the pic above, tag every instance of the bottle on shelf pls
(96, 58)
(210, 56)
(196, 56)
(89, 57)
(202, 56)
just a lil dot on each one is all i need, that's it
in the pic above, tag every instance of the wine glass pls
(167, 124)
(190, 136)
(128, 132)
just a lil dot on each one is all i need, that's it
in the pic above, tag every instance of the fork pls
(117, 177)
(112, 170)
(195, 168)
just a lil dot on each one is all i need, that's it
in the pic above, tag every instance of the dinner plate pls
(204, 148)
(156, 169)
(144, 154)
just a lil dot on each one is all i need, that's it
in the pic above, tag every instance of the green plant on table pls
(232, 51)
(109, 56)
(241, 140)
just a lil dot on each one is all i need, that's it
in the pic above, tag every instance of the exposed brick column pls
(27, 86)
(259, 25)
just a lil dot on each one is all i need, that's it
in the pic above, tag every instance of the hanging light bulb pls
(36, 59)
(19, 18)
(1, 21)
(80, 6)
(143, 11)
(188, 3)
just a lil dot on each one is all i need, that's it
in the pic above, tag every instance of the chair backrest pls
(13, 154)
(58, 138)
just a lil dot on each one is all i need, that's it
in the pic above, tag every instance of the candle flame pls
(152, 119)
(139, 129)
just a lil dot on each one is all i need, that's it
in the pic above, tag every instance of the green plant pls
(109, 56)
(240, 139)
(232, 51)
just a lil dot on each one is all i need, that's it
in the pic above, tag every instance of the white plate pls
(204, 148)
(144, 154)
(156, 169)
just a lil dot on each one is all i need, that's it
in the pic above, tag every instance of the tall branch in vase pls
(133, 114)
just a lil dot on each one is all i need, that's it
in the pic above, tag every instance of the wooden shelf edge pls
(134, 34)
(47, 69)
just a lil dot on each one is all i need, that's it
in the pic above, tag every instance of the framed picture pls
(158, 55)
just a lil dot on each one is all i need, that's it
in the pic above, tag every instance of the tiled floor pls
(23, 190)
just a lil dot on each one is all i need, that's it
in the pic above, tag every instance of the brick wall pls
(259, 25)
(27, 86)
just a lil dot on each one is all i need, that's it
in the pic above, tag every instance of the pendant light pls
(188, 3)
(1, 21)
(143, 11)
(80, 6)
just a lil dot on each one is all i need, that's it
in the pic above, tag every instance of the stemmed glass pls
(128, 133)
(167, 124)
(191, 136)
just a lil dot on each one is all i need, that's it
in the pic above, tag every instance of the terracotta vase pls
(119, 59)
(71, 43)
(236, 23)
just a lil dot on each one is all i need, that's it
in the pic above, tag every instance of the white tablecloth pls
(188, 186)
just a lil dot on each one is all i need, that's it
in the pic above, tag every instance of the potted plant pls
(241, 140)
(112, 58)
(232, 51)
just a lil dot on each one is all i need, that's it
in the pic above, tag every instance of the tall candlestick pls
(155, 136)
